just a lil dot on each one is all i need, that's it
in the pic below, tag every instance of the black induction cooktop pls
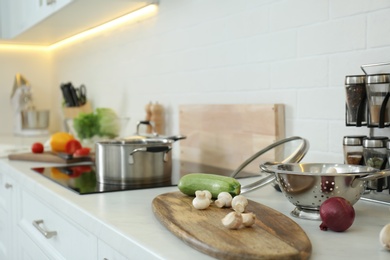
(81, 178)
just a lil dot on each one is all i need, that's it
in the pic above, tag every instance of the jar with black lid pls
(375, 155)
(378, 93)
(353, 149)
(356, 100)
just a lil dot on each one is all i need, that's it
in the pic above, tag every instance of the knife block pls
(72, 112)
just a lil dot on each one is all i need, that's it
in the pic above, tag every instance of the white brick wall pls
(295, 52)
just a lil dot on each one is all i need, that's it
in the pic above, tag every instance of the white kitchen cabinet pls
(28, 250)
(8, 193)
(20, 15)
(45, 22)
(105, 252)
(57, 236)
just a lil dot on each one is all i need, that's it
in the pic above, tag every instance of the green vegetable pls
(216, 184)
(104, 122)
(108, 122)
(86, 125)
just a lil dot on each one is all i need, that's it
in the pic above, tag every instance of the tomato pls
(37, 148)
(82, 152)
(72, 146)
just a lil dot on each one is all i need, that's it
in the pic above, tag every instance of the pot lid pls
(293, 149)
(288, 150)
(136, 140)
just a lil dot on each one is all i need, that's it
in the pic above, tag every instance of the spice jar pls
(356, 104)
(375, 155)
(353, 149)
(378, 93)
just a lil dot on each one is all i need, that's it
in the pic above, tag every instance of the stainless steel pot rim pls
(346, 169)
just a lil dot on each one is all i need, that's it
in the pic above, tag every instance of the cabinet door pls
(40, 9)
(56, 235)
(28, 250)
(19, 15)
(13, 17)
(7, 217)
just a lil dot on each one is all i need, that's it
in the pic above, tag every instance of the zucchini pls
(216, 184)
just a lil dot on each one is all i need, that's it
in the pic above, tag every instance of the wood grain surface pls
(49, 157)
(225, 135)
(273, 236)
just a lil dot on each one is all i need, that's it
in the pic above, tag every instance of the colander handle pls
(264, 167)
(376, 175)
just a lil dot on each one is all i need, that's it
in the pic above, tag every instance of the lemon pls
(58, 141)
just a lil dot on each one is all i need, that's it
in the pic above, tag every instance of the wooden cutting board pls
(225, 135)
(49, 157)
(273, 236)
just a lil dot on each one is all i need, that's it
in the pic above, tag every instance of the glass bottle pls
(353, 149)
(356, 100)
(378, 93)
(375, 155)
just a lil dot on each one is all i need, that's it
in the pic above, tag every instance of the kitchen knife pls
(73, 94)
(67, 96)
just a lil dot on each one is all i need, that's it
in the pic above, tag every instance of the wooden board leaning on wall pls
(222, 136)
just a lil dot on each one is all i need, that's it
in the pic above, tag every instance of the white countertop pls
(125, 220)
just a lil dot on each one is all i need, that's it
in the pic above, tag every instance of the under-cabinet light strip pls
(149, 9)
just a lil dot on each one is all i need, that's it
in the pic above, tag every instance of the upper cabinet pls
(44, 22)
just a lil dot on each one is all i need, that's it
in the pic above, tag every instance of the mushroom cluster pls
(233, 220)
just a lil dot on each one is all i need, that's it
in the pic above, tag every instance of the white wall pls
(36, 67)
(229, 51)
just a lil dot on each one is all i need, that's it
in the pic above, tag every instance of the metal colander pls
(308, 185)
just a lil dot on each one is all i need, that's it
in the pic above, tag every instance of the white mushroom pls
(248, 219)
(201, 201)
(233, 220)
(239, 203)
(224, 200)
(208, 194)
(384, 237)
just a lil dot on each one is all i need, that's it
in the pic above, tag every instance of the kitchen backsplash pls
(223, 51)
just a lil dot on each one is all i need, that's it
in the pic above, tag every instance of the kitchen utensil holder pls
(72, 112)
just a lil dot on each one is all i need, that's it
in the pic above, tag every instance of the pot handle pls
(152, 149)
(176, 137)
(149, 123)
(376, 175)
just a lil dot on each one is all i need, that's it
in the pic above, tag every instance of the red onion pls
(337, 214)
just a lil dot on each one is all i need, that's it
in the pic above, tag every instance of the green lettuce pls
(102, 122)
(108, 122)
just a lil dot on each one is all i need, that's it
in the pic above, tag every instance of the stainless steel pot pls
(134, 161)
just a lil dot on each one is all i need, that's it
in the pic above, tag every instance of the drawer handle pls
(8, 186)
(47, 234)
